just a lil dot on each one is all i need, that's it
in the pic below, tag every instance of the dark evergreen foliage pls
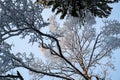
(80, 8)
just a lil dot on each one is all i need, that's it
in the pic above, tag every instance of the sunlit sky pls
(116, 15)
(23, 46)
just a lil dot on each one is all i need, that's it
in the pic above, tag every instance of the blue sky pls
(116, 56)
(116, 15)
(22, 45)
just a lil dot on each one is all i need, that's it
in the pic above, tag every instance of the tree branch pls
(93, 49)
(36, 71)
(60, 51)
(13, 76)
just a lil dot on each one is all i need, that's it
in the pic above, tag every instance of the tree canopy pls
(80, 8)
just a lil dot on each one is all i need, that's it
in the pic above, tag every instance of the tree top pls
(80, 8)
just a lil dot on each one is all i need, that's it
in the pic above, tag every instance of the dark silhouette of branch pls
(13, 76)
(19, 75)
(37, 71)
(60, 52)
(94, 47)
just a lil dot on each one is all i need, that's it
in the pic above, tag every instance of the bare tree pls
(78, 50)
(87, 50)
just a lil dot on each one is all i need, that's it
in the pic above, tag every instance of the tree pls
(80, 8)
(22, 18)
(75, 52)
(85, 48)
(17, 18)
